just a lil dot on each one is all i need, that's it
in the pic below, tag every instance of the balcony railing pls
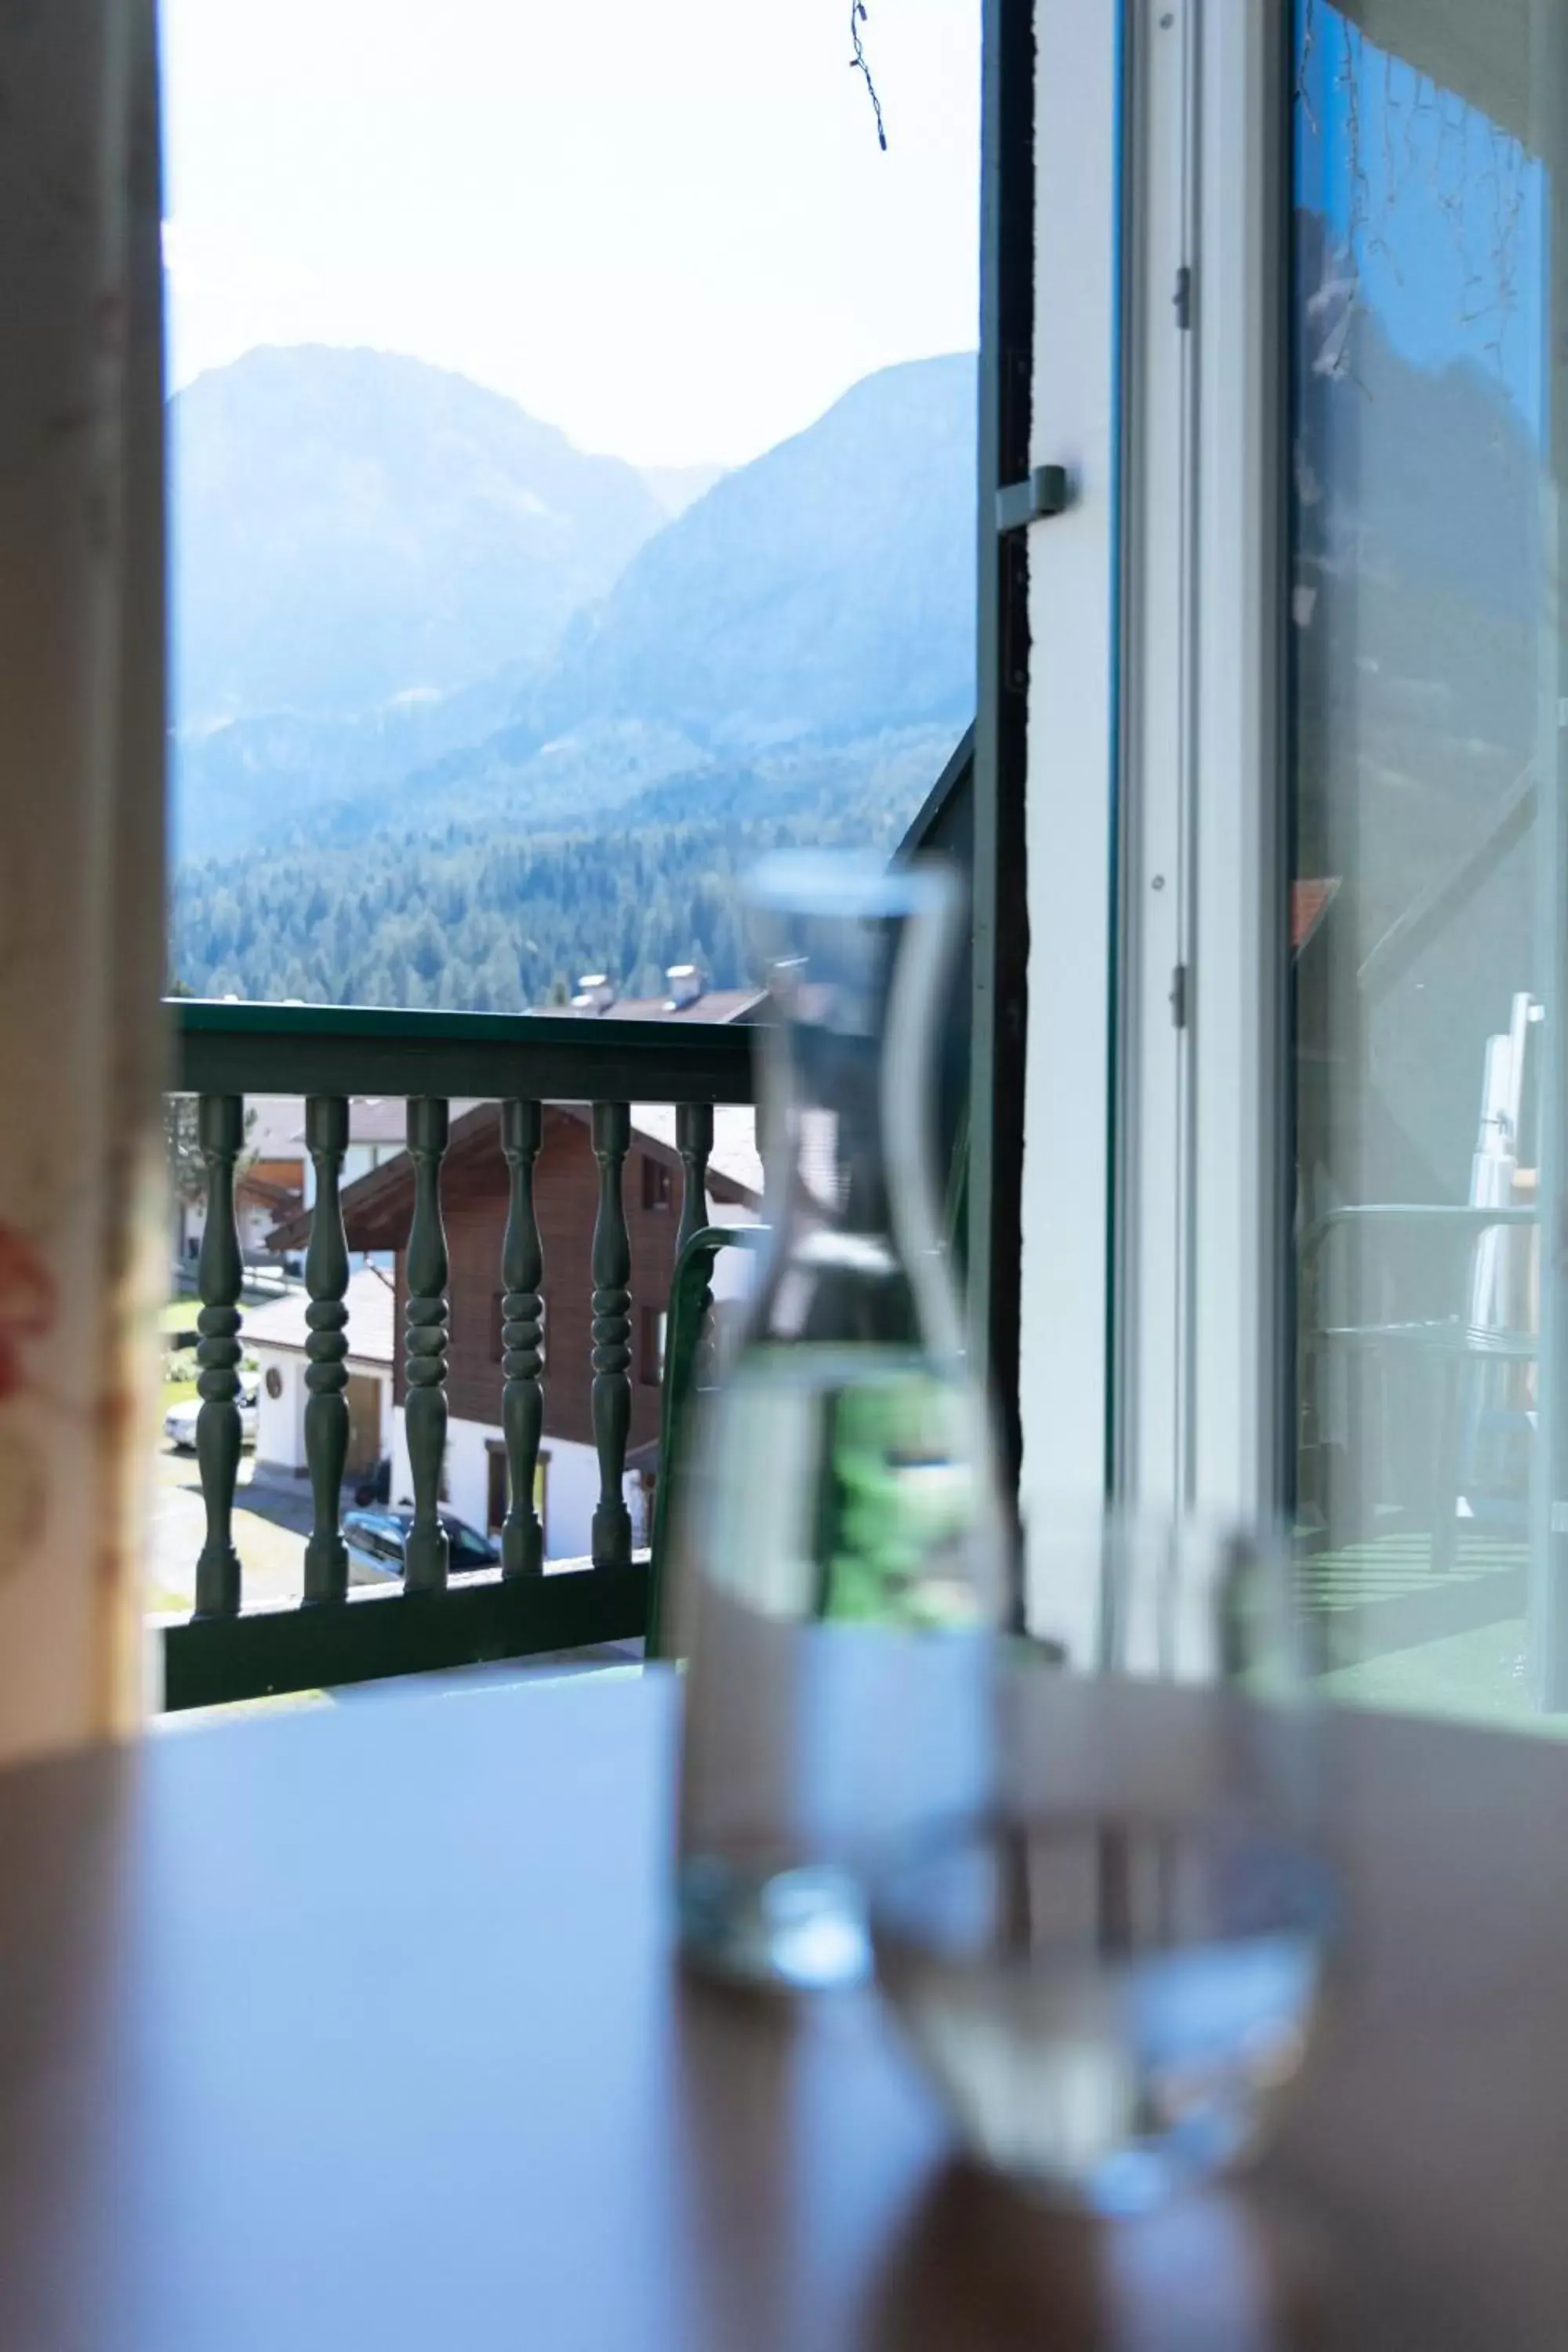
(230, 1051)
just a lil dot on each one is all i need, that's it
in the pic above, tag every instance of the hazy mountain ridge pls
(349, 525)
(827, 587)
(678, 486)
(822, 595)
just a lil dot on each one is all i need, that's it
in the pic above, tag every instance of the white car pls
(180, 1421)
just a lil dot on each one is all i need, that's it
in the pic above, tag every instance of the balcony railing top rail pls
(309, 1049)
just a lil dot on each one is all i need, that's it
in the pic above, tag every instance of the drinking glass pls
(1113, 1972)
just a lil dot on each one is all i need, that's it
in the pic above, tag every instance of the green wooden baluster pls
(612, 1335)
(424, 1557)
(326, 1374)
(694, 1141)
(522, 1397)
(220, 1131)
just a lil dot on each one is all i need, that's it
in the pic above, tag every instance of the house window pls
(650, 1355)
(657, 1183)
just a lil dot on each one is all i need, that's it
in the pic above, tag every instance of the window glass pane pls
(1429, 327)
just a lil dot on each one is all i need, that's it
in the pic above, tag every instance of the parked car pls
(180, 1421)
(375, 1540)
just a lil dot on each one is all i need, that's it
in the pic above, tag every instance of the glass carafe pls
(841, 1578)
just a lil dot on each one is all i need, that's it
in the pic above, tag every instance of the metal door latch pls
(1043, 495)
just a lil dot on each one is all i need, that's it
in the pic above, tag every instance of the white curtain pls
(81, 855)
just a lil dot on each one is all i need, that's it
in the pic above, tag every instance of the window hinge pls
(1179, 997)
(1021, 503)
(1183, 297)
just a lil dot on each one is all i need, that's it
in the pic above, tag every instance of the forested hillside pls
(488, 922)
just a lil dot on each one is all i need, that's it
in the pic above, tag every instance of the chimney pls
(685, 982)
(596, 994)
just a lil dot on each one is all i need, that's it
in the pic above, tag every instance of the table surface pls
(360, 2028)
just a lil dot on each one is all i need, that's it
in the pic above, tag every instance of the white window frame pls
(1241, 1381)
(1156, 1272)
(1072, 761)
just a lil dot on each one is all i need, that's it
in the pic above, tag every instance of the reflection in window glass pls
(1427, 930)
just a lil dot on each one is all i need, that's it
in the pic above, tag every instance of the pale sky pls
(663, 224)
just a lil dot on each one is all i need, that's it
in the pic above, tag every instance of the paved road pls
(271, 1521)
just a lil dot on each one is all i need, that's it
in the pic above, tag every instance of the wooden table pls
(358, 2029)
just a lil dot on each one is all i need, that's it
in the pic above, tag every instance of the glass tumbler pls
(1112, 1973)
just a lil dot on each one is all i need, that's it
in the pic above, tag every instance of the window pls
(1430, 812)
(495, 1486)
(657, 1183)
(650, 1355)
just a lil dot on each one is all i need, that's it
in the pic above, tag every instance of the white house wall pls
(571, 1485)
(280, 1420)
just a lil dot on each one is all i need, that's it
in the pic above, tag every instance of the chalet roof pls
(372, 1320)
(377, 1208)
(281, 1199)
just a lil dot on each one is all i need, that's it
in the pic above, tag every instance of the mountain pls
(352, 526)
(790, 657)
(821, 597)
(261, 779)
(827, 587)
